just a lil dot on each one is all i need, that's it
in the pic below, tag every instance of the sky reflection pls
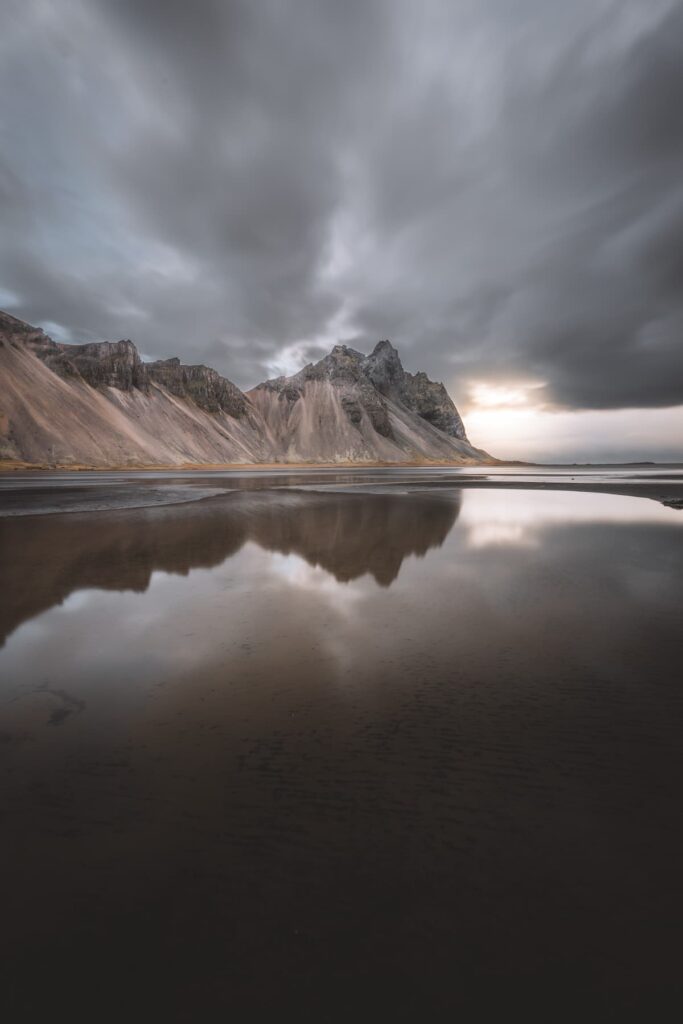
(309, 703)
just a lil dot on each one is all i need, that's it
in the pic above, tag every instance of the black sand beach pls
(368, 744)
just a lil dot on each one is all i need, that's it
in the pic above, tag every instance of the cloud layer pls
(496, 185)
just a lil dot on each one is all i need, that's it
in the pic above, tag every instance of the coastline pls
(162, 485)
(16, 465)
(13, 466)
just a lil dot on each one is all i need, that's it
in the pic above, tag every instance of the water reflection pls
(259, 781)
(45, 559)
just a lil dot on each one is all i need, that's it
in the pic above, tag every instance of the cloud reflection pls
(517, 518)
(347, 535)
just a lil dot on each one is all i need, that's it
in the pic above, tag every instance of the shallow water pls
(341, 746)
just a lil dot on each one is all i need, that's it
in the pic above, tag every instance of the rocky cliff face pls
(117, 364)
(103, 364)
(204, 386)
(343, 368)
(416, 392)
(113, 364)
(380, 411)
(100, 404)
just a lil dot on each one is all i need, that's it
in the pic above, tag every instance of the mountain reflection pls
(44, 559)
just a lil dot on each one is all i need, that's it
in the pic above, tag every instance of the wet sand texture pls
(343, 756)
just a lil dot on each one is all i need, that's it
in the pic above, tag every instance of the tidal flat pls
(377, 744)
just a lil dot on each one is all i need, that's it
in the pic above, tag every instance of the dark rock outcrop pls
(383, 367)
(117, 364)
(343, 367)
(13, 330)
(101, 364)
(416, 392)
(202, 385)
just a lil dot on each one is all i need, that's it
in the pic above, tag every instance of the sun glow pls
(503, 417)
(494, 396)
(514, 420)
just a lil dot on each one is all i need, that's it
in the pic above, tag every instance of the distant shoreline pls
(13, 466)
(9, 466)
(661, 487)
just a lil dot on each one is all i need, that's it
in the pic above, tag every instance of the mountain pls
(99, 404)
(358, 407)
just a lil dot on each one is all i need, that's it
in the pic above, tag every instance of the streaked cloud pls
(495, 186)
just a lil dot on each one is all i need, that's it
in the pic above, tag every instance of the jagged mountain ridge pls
(118, 364)
(365, 407)
(100, 404)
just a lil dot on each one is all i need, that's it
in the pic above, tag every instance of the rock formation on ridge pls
(364, 407)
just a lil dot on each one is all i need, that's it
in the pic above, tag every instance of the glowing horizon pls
(510, 420)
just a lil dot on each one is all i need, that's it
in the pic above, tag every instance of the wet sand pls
(43, 493)
(351, 747)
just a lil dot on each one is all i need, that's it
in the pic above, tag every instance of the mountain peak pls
(382, 347)
(340, 351)
(384, 368)
(372, 382)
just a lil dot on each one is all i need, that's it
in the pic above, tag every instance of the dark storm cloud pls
(495, 185)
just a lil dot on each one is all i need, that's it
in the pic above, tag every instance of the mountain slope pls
(363, 408)
(99, 404)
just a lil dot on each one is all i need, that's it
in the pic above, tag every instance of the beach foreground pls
(381, 743)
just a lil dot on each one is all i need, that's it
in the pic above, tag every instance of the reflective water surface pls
(354, 750)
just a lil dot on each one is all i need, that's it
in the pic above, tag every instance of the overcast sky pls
(494, 185)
